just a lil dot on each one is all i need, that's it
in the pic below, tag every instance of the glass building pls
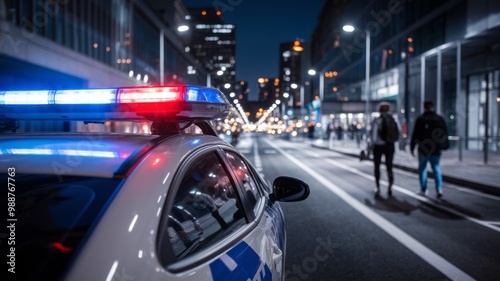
(213, 45)
(446, 51)
(67, 44)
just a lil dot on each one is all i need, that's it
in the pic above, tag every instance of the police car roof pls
(81, 154)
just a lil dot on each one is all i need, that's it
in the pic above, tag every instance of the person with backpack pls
(431, 136)
(384, 133)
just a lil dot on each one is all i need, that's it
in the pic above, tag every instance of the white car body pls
(123, 244)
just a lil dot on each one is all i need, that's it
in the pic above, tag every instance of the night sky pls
(261, 25)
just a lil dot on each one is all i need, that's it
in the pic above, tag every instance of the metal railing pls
(488, 146)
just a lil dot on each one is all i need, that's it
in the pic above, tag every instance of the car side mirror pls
(288, 189)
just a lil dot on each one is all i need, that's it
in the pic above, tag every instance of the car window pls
(242, 171)
(206, 207)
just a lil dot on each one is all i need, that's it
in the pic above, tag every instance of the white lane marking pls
(112, 271)
(257, 161)
(409, 193)
(409, 242)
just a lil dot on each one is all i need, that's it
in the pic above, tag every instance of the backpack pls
(389, 131)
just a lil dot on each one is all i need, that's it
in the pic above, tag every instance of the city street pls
(342, 232)
(127, 129)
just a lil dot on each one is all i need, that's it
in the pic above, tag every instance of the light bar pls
(113, 96)
(126, 103)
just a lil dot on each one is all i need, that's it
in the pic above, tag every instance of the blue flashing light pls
(198, 94)
(24, 97)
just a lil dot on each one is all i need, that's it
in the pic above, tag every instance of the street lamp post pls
(301, 100)
(182, 28)
(367, 78)
(350, 28)
(321, 90)
(162, 57)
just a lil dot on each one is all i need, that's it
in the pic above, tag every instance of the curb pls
(493, 190)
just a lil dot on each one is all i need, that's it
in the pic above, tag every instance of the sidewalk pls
(470, 172)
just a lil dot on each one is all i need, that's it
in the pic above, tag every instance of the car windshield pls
(51, 219)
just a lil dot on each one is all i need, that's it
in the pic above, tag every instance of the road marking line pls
(410, 174)
(257, 160)
(409, 193)
(409, 242)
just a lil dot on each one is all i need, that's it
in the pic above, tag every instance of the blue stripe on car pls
(248, 265)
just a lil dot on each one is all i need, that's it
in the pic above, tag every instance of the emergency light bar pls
(127, 103)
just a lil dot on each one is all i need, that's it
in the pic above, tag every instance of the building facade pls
(90, 44)
(213, 44)
(445, 51)
(295, 82)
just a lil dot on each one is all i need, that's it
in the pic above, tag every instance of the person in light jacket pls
(381, 147)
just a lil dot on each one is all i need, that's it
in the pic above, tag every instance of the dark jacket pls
(430, 134)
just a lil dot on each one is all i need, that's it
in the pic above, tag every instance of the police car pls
(176, 204)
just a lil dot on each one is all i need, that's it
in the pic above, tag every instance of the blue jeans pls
(422, 171)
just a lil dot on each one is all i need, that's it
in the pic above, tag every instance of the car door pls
(268, 236)
(207, 228)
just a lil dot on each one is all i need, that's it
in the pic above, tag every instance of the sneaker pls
(423, 192)
(439, 195)
(389, 191)
(377, 191)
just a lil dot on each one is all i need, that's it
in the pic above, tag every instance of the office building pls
(445, 51)
(213, 44)
(295, 82)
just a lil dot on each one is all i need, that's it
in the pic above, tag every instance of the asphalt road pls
(343, 232)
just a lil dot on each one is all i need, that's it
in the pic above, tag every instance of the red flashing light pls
(150, 94)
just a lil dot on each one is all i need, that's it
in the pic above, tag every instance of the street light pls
(183, 28)
(350, 28)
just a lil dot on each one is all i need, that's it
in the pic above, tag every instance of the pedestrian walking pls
(384, 133)
(431, 136)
